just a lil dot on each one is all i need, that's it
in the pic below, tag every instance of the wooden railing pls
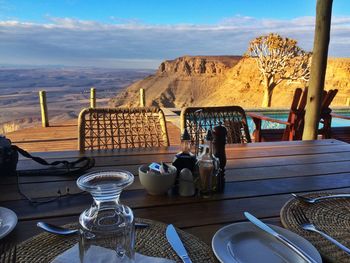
(43, 108)
(44, 111)
(142, 98)
(92, 97)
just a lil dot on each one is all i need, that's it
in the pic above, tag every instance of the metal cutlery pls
(310, 200)
(57, 230)
(8, 253)
(305, 223)
(279, 237)
(176, 243)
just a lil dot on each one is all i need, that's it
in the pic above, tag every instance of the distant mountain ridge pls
(221, 80)
(192, 66)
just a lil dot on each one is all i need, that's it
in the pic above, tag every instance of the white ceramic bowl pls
(155, 183)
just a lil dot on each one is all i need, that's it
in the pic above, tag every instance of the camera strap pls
(80, 165)
(74, 168)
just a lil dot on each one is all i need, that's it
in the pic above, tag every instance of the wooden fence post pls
(92, 98)
(43, 107)
(142, 98)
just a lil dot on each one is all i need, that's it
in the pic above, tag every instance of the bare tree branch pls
(279, 59)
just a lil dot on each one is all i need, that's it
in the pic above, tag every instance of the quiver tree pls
(279, 59)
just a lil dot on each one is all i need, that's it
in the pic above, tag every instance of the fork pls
(8, 253)
(305, 224)
(318, 199)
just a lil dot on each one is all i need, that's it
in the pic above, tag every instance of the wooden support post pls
(318, 68)
(43, 107)
(142, 98)
(92, 97)
(347, 102)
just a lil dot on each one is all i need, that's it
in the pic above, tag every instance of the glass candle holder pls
(107, 227)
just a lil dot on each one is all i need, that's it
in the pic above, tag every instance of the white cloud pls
(133, 44)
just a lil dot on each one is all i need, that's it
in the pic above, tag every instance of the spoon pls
(57, 230)
(310, 200)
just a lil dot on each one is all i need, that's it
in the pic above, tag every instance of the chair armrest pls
(254, 115)
(334, 115)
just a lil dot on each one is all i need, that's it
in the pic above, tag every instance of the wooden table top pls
(259, 179)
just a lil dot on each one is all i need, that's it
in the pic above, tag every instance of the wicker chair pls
(203, 118)
(115, 128)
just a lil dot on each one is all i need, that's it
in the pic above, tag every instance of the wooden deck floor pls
(63, 136)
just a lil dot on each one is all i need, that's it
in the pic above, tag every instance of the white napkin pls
(102, 255)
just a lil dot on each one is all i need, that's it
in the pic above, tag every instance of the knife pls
(279, 237)
(176, 244)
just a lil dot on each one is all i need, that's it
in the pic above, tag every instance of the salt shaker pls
(186, 184)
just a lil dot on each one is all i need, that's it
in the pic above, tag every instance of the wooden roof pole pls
(318, 68)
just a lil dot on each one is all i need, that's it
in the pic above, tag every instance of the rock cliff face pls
(222, 80)
(179, 82)
(195, 66)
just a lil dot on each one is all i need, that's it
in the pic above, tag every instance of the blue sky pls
(162, 11)
(141, 34)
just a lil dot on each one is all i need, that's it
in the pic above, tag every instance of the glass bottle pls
(219, 141)
(184, 159)
(107, 227)
(207, 168)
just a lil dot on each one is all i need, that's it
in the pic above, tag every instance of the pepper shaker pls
(219, 141)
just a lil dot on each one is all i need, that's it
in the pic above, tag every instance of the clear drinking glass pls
(107, 227)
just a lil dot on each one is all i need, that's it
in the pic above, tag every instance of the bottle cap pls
(185, 136)
(209, 136)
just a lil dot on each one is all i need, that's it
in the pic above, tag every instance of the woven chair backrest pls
(116, 128)
(197, 120)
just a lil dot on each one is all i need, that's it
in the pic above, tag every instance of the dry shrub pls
(9, 127)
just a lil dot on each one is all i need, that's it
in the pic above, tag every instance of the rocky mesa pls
(222, 80)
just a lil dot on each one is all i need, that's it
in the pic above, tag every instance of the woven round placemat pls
(332, 216)
(150, 241)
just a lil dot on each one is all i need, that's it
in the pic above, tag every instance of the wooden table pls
(260, 178)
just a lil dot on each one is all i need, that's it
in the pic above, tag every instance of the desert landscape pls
(68, 91)
(184, 81)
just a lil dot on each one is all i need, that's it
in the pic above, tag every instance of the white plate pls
(8, 221)
(245, 243)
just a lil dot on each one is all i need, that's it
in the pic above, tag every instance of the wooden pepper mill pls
(219, 141)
